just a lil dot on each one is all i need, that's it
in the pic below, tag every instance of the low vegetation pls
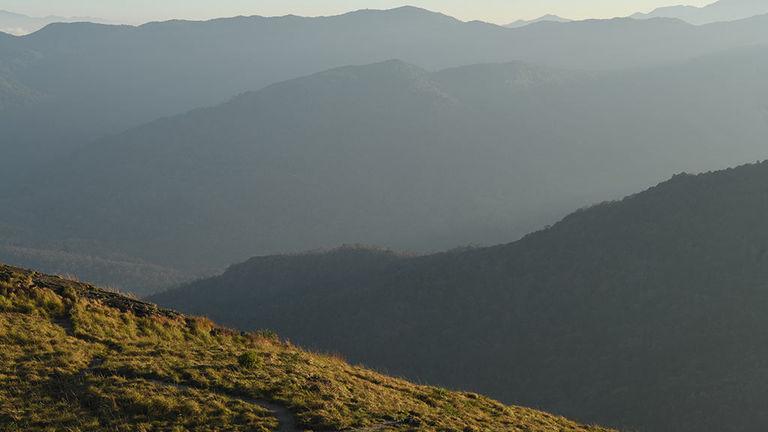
(76, 358)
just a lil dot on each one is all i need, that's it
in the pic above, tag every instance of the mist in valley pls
(560, 213)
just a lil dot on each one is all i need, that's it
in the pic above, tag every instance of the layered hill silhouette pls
(719, 11)
(20, 24)
(549, 18)
(103, 79)
(75, 357)
(644, 314)
(394, 155)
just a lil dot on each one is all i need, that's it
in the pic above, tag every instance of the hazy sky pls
(499, 11)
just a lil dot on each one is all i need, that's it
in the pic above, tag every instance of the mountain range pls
(544, 18)
(389, 154)
(19, 24)
(720, 11)
(65, 91)
(653, 301)
(103, 79)
(146, 157)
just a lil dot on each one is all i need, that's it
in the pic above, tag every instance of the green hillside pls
(655, 301)
(77, 358)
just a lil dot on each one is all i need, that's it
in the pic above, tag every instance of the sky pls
(496, 11)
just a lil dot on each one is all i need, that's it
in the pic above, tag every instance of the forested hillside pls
(654, 301)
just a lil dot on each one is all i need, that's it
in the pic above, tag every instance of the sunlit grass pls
(69, 362)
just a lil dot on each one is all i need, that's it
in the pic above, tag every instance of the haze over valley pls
(476, 137)
(564, 213)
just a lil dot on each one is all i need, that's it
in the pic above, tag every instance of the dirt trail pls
(286, 420)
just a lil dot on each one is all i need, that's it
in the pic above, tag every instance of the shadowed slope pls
(654, 301)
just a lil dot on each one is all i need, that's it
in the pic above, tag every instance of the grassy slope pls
(73, 358)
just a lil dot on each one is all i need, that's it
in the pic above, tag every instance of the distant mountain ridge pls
(69, 87)
(653, 301)
(215, 64)
(395, 155)
(20, 24)
(719, 11)
(545, 18)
